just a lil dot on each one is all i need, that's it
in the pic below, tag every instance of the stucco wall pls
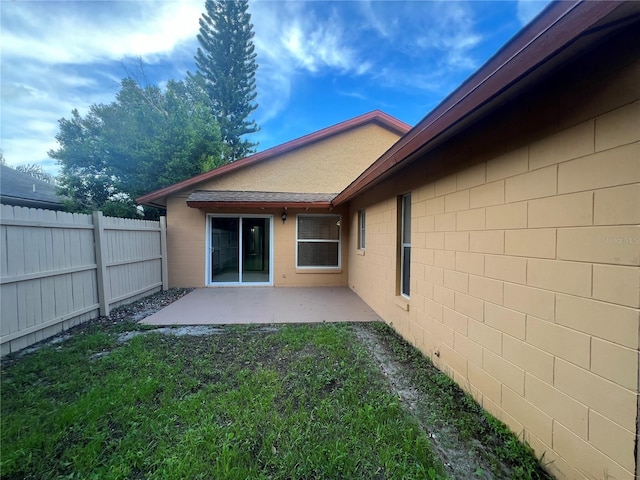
(186, 236)
(285, 272)
(327, 166)
(525, 278)
(186, 243)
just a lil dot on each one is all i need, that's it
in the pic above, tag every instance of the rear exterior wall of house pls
(326, 166)
(525, 255)
(187, 237)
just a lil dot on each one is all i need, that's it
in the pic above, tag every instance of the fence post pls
(163, 252)
(104, 292)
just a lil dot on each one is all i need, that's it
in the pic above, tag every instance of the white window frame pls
(338, 241)
(405, 290)
(208, 266)
(362, 229)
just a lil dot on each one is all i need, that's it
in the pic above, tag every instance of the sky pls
(319, 62)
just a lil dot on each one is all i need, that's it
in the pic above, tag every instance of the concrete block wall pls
(525, 271)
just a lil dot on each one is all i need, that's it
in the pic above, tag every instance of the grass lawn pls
(291, 402)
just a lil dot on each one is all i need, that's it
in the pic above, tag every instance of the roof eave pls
(30, 202)
(261, 205)
(552, 31)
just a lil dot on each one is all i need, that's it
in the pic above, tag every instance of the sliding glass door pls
(240, 250)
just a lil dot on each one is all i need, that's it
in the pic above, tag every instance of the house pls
(23, 190)
(500, 235)
(267, 219)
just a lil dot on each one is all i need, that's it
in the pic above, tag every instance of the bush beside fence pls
(59, 269)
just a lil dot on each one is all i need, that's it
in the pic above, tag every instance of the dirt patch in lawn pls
(461, 459)
(470, 442)
(125, 317)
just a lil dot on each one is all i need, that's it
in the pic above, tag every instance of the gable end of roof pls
(377, 117)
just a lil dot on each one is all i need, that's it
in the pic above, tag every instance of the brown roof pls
(226, 198)
(376, 116)
(561, 30)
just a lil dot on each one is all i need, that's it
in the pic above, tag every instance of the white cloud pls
(34, 96)
(381, 24)
(95, 31)
(352, 94)
(57, 56)
(424, 45)
(443, 30)
(394, 43)
(317, 48)
(456, 36)
(291, 41)
(295, 36)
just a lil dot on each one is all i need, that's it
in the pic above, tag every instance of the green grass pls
(297, 402)
(445, 404)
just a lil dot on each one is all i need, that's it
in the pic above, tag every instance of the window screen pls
(362, 229)
(405, 230)
(318, 241)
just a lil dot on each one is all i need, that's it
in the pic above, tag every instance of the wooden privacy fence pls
(60, 269)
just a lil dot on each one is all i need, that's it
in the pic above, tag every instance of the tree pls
(145, 140)
(227, 69)
(36, 171)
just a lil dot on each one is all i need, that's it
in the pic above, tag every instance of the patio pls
(244, 305)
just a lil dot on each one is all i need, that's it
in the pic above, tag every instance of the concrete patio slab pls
(245, 305)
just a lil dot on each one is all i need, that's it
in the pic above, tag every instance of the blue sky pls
(320, 62)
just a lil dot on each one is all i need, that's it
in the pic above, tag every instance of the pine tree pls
(227, 69)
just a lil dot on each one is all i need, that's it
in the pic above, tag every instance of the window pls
(318, 241)
(362, 229)
(405, 253)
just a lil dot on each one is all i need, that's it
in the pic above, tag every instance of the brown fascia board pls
(376, 116)
(271, 205)
(559, 25)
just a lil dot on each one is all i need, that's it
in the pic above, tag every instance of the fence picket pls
(58, 269)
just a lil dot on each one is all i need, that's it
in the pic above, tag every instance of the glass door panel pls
(255, 250)
(240, 250)
(225, 250)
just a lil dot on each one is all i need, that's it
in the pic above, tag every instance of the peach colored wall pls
(323, 167)
(327, 166)
(186, 243)
(186, 234)
(525, 277)
(285, 272)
